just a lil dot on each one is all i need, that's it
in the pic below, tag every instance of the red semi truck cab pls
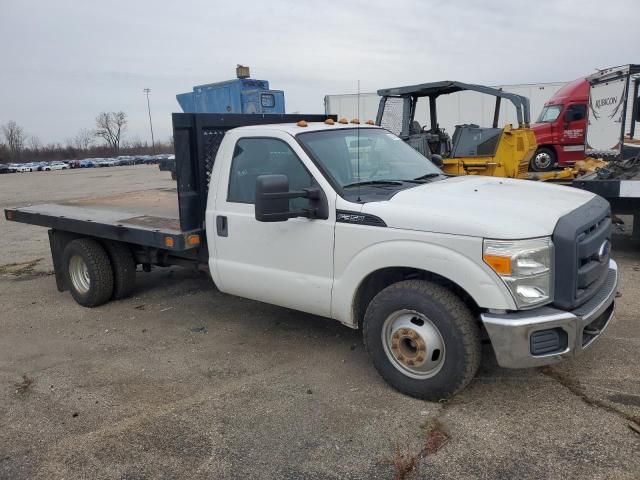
(561, 126)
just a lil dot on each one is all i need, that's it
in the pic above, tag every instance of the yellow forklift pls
(472, 149)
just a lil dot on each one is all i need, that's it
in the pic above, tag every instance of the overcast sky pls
(64, 61)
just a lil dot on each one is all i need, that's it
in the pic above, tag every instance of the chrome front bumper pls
(511, 333)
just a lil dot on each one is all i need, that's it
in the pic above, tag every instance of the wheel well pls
(376, 281)
(548, 147)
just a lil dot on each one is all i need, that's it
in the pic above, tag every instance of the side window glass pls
(253, 157)
(578, 112)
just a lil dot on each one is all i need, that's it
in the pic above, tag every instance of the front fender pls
(462, 266)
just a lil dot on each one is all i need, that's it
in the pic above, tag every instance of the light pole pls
(153, 143)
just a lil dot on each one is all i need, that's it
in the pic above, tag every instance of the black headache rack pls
(197, 137)
(170, 219)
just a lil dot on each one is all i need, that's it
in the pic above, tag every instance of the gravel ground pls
(182, 381)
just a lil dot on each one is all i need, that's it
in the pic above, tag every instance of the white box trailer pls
(455, 109)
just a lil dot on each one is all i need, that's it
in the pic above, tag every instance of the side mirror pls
(273, 195)
(267, 207)
(437, 160)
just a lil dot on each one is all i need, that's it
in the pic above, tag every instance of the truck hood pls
(478, 206)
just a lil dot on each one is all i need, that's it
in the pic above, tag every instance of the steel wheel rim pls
(542, 160)
(79, 274)
(413, 344)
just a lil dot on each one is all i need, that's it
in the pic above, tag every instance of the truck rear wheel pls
(544, 160)
(123, 265)
(88, 272)
(423, 340)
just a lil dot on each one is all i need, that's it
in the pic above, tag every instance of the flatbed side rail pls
(165, 239)
(197, 137)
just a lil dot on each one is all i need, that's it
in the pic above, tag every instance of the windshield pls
(549, 113)
(383, 156)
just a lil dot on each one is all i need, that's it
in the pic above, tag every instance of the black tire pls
(174, 176)
(123, 265)
(99, 275)
(458, 329)
(543, 160)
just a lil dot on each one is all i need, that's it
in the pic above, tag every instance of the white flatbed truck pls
(346, 221)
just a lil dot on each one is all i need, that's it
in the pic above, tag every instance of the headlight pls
(525, 268)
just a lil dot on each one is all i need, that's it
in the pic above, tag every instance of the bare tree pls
(34, 144)
(84, 139)
(15, 136)
(110, 126)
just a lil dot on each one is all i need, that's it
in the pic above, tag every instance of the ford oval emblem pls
(603, 251)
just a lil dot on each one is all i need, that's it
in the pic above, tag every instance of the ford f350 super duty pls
(347, 221)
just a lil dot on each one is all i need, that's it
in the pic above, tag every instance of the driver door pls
(574, 124)
(287, 263)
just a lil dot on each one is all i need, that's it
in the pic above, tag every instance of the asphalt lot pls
(182, 381)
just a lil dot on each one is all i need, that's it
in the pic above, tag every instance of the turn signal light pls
(193, 240)
(168, 242)
(500, 265)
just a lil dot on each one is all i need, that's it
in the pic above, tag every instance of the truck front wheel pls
(423, 340)
(544, 160)
(88, 272)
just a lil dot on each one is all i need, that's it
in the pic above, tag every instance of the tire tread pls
(97, 262)
(124, 269)
(460, 314)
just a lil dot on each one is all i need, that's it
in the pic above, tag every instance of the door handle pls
(221, 226)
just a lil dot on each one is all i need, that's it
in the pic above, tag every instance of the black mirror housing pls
(272, 200)
(270, 209)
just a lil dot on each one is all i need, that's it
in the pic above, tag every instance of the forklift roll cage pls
(433, 90)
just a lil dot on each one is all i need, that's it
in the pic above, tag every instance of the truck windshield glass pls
(549, 114)
(384, 158)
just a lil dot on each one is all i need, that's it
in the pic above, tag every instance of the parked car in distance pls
(28, 167)
(6, 168)
(125, 160)
(74, 163)
(86, 163)
(105, 162)
(56, 166)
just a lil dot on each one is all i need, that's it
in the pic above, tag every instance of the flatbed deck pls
(148, 217)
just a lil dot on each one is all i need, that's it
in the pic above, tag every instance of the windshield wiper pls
(373, 182)
(427, 176)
